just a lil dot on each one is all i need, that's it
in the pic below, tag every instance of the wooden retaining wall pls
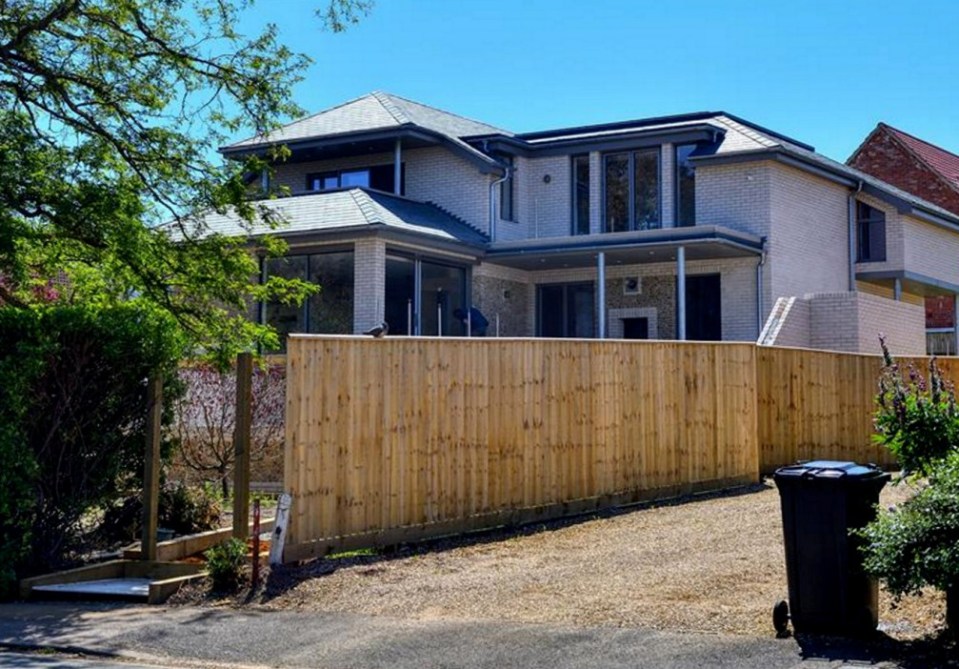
(398, 439)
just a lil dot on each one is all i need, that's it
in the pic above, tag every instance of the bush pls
(225, 564)
(181, 509)
(918, 544)
(72, 420)
(916, 419)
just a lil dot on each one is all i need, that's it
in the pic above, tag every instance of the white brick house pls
(698, 226)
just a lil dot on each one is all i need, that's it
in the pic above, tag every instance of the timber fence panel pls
(401, 438)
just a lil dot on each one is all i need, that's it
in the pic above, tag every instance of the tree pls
(204, 418)
(110, 114)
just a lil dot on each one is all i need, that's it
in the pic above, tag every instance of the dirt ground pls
(713, 563)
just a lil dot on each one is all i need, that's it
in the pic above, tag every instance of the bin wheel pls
(781, 618)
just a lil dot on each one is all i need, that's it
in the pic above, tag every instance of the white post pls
(601, 279)
(681, 292)
(279, 531)
(398, 167)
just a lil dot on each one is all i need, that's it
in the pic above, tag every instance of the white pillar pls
(681, 293)
(398, 167)
(601, 306)
(369, 283)
(897, 290)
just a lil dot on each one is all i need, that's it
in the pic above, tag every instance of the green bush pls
(182, 509)
(918, 543)
(224, 563)
(72, 418)
(916, 419)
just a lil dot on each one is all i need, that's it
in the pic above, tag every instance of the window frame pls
(632, 224)
(677, 190)
(869, 222)
(574, 198)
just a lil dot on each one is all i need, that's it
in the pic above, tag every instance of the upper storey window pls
(685, 186)
(870, 233)
(580, 195)
(631, 190)
(506, 195)
(379, 177)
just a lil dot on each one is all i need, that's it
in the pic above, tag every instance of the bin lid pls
(825, 470)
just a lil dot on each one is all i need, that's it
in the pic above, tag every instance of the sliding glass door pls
(422, 297)
(566, 310)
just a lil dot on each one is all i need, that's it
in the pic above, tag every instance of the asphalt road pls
(290, 639)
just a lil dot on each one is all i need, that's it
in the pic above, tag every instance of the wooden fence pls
(391, 440)
(397, 439)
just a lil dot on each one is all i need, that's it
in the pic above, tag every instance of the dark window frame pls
(677, 189)
(372, 173)
(632, 224)
(870, 233)
(576, 224)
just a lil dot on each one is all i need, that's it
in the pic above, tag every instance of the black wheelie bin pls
(829, 593)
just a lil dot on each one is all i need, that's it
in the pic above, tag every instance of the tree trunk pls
(225, 486)
(952, 609)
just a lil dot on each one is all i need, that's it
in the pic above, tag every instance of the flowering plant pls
(916, 418)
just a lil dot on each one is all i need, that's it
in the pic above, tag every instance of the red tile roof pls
(942, 161)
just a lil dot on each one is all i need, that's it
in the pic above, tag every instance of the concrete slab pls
(127, 588)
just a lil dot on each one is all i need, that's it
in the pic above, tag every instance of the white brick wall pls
(667, 186)
(369, 283)
(852, 321)
(929, 249)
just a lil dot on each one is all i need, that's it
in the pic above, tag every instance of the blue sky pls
(822, 72)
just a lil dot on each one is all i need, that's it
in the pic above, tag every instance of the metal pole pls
(256, 543)
(497, 324)
(601, 279)
(409, 317)
(469, 322)
(439, 319)
(681, 292)
(897, 289)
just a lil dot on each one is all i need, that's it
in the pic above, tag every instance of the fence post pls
(151, 468)
(241, 445)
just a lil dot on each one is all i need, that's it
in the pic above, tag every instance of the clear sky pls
(824, 72)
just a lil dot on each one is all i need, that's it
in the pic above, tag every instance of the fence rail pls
(390, 440)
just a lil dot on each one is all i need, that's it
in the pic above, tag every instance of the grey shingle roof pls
(353, 209)
(375, 111)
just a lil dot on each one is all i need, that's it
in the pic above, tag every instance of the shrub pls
(72, 420)
(181, 509)
(918, 543)
(225, 564)
(916, 419)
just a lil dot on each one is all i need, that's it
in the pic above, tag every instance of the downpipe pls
(492, 203)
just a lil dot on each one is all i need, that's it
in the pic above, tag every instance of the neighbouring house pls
(929, 172)
(697, 226)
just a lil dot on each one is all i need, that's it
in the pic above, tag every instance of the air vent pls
(632, 286)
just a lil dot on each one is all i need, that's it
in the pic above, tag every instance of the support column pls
(681, 293)
(369, 284)
(398, 167)
(897, 290)
(601, 280)
(151, 468)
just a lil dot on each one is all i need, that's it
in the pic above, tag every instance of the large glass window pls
(566, 310)
(286, 318)
(330, 311)
(685, 186)
(422, 297)
(581, 195)
(378, 177)
(443, 291)
(632, 190)
(400, 308)
(870, 233)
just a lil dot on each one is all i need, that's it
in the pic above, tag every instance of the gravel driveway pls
(711, 563)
